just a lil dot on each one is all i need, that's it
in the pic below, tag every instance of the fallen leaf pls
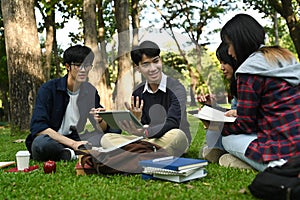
(19, 141)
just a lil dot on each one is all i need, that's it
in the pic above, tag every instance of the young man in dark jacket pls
(62, 108)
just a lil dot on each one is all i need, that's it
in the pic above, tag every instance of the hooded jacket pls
(257, 64)
(269, 107)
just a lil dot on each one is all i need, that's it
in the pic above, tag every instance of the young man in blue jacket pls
(160, 104)
(62, 108)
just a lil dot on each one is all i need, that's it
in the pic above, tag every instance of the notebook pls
(174, 163)
(199, 173)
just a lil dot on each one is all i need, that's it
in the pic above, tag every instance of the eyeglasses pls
(154, 61)
(86, 66)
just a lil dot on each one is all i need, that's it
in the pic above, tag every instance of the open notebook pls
(101, 149)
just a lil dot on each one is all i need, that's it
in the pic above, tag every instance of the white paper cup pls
(22, 158)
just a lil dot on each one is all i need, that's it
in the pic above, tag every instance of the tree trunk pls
(97, 75)
(135, 13)
(50, 26)
(124, 84)
(23, 59)
(106, 90)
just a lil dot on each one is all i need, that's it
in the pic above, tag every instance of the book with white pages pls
(162, 171)
(6, 163)
(199, 173)
(101, 149)
(210, 114)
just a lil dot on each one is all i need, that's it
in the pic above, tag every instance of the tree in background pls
(4, 86)
(288, 9)
(124, 86)
(190, 16)
(23, 59)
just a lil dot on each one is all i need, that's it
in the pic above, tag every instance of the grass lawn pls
(220, 183)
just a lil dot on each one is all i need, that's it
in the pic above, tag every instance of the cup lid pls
(23, 153)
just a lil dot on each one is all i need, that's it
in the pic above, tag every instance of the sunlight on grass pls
(220, 183)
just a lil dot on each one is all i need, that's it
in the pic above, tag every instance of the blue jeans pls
(237, 146)
(44, 148)
(214, 139)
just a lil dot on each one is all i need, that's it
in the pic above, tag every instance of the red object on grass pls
(29, 169)
(49, 167)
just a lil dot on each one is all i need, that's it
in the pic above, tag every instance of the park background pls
(33, 36)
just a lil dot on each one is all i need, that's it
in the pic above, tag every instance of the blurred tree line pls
(111, 29)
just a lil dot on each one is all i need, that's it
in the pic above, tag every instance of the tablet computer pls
(113, 118)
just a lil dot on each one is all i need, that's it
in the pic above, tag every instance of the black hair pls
(223, 56)
(78, 54)
(150, 49)
(246, 35)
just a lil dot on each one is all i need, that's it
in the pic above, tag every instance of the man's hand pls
(129, 127)
(94, 112)
(77, 144)
(135, 107)
(101, 124)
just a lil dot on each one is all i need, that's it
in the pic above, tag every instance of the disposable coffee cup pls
(22, 158)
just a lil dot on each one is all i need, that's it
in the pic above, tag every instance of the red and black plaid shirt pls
(270, 108)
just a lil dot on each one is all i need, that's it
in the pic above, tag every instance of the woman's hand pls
(231, 113)
(208, 99)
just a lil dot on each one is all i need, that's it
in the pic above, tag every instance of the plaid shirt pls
(270, 108)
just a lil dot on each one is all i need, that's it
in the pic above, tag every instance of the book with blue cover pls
(174, 163)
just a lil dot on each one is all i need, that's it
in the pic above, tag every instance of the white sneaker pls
(68, 154)
(211, 154)
(228, 160)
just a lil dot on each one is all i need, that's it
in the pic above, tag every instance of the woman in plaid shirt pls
(267, 129)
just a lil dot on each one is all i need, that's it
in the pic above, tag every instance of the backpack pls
(278, 183)
(123, 160)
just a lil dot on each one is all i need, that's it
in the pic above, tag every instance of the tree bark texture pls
(23, 59)
(135, 13)
(124, 86)
(97, 75)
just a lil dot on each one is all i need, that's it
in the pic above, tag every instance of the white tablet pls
(112, 118)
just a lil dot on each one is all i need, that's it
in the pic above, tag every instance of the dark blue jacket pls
(51, 104)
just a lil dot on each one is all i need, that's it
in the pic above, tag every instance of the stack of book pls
(175, 169)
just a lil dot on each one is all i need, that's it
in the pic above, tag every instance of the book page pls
(101, 149)
(211, 114)
(7, 163)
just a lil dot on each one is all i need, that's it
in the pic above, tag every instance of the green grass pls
(220, 183)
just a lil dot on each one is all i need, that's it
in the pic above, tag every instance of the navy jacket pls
(51, 104)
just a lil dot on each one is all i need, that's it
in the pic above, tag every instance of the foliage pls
(283, 33)
(221, 183)
(175, 66)
(288, 10)
(191, 16)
